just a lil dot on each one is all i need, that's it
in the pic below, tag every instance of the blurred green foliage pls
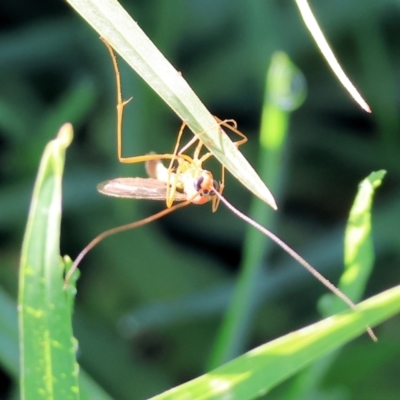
(173, 278)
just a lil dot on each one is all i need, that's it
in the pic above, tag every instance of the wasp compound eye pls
(197, 183)
(216, 188)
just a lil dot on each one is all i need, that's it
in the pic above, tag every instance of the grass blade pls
(358, 247)
(47, 346)
(326, 51)
(359, 261)
(261, 369)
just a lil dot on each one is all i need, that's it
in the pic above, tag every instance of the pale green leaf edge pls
(316, 32)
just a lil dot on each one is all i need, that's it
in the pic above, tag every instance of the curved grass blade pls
(358, 247)
(263, 368)
(315, 30)
(47, 346)
(359, 261)
(113, 23)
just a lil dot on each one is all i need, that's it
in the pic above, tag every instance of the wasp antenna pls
(113, 231)
(297, 257)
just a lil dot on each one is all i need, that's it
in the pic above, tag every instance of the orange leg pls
(173, 180)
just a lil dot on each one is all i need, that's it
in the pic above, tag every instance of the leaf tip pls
(66, 134)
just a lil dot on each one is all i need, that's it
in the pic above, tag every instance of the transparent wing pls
(137, 188)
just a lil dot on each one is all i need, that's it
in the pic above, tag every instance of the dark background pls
(173, 273)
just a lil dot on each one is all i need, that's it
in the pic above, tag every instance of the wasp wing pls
(137, 188)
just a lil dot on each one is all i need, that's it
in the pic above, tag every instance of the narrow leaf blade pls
(47, 347)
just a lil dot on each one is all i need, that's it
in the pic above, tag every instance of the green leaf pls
(359, 261)
(47, 346)
(358, 246)
(261, 369)
(9, 348)
(113, 23)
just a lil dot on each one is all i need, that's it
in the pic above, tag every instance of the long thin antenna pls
(118, 229)
(297, 257)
